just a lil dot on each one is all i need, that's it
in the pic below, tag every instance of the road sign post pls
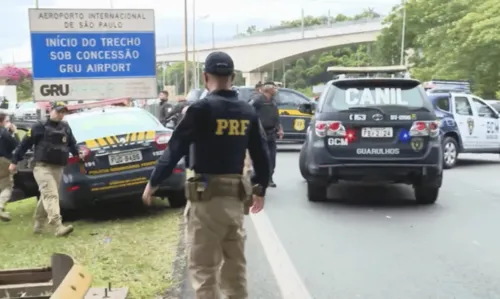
(93, 54)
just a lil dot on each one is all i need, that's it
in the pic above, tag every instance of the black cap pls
(59, 106)
(219, 64)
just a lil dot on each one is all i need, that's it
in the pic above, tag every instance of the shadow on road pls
(475, 162)
(371, 195)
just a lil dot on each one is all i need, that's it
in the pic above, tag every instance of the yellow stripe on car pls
(150, 135)
(110, 140)
(293, 112)
(101, 142)
(91, 143)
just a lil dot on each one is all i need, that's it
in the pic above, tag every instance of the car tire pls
(316, 191)
(302, 162)
(177, 198)
(426, 195)
(450, 152)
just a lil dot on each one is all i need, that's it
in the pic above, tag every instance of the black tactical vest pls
(268, 113)
(53, 148)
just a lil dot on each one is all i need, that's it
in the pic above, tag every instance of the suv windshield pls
(345, 95)
(95, 125)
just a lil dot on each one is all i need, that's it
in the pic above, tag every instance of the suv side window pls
(482, 109)
(443, 103)
(462, 106)
(290, 99)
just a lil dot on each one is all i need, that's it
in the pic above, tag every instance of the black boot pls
(271, 183)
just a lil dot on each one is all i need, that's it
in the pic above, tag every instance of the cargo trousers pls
(216, 236)
(48, 178)
(6, 184)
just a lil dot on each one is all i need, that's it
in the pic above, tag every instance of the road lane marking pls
(287, 278)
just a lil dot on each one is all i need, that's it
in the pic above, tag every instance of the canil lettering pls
(54, 90)
(377, 96)
(232, 127)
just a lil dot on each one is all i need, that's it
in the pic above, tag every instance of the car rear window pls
(348, 94)
(95, 125)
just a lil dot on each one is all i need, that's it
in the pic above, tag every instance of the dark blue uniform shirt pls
(221, 128)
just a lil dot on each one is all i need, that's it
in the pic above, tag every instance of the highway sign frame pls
(93, 54)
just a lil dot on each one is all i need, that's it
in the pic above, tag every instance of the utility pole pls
(36, 4)
(403, 29)
(194, 45)
(186, 50)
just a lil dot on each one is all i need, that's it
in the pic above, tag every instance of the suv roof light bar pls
(395, 71)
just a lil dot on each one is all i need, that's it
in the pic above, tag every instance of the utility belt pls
(203, 187)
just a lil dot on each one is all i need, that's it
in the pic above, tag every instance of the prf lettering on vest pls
(232, 127)
(377, 96)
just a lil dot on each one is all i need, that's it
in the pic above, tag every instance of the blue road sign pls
(93, 54)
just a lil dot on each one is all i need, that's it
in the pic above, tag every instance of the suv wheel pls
(450, 152)
(316, 191)
(177, 198)
(426, 194)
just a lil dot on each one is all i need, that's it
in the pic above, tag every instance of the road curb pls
(179, 266)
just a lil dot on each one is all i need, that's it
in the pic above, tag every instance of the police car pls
(293, 121)
(122, 145)
(373, 129)
(468, 124)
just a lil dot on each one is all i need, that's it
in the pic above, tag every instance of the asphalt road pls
(374, 242)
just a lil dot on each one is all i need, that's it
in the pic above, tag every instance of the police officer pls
(165, 107)
(220, 128)
(268, 112)
(53, 140)
(7, 145)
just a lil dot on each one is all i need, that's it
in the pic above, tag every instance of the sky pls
(228, 16)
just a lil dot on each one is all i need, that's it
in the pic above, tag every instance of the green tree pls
(455, 39)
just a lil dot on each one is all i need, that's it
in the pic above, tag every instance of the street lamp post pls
(186, 48)
(403, 29)
(194, 44)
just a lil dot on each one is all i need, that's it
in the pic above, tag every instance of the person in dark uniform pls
(268, 112)
(53, 141)
(165, 107)
(8, 142)
(219, 128)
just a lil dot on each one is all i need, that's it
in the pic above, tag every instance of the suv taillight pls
(330, 128)
(425, 128)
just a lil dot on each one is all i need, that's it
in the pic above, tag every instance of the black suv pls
(381, 130)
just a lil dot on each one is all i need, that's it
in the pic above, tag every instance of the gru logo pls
(54, 90)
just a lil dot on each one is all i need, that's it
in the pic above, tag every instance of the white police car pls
(468, 125)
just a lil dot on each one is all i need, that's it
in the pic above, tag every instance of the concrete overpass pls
(258, 53)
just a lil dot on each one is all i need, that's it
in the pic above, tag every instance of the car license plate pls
(376, 132)
(124, 158)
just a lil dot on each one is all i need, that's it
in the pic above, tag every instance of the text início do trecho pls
(91, 20)
(86, 55)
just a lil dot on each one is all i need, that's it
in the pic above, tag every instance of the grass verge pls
(136, 252)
